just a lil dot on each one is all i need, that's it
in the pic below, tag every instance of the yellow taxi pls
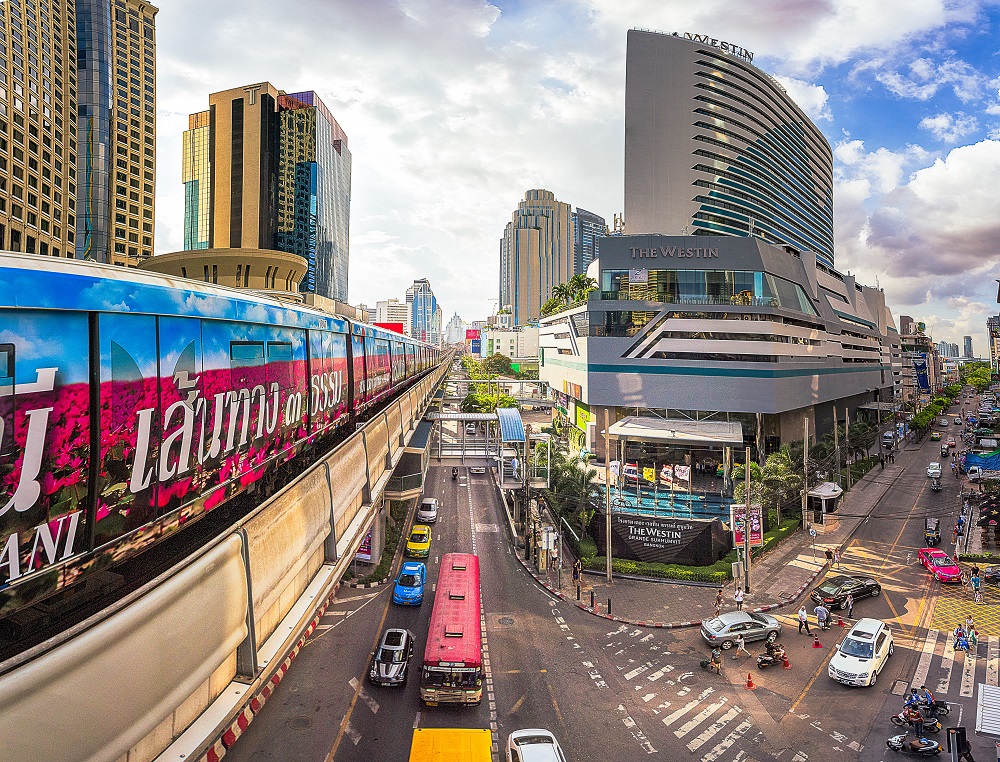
(418, 544)
(935, 436)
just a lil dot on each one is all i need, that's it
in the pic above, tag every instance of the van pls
(888, 438)
(862, 654)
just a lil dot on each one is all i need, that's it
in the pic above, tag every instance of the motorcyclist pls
(454, 473)
(916, 719)
(822, 616)
(928, 697)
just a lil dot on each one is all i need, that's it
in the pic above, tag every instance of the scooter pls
(922, 747)
(930, 726)
(774, 655)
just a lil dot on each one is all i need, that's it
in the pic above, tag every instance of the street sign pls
(812, 532)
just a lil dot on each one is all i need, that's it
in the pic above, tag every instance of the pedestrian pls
(974, 583)
(716, 661)
(829, 556)
(804, 620)
(916, 719)
(965, 750)
(836, 558)
(740, 646)
(881, 461)
(892, 456)
(849, 605)
(718, 602)
(738, 597)
(577, 572)
(975, 570)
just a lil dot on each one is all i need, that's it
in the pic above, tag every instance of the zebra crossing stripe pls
(992, 657)
(968, 685)
(671, 718)
(699, 718)
(926, 655)
(947, 664)
(720, 748)
(713, 729)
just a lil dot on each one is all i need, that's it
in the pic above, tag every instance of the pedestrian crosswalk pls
(954, 675)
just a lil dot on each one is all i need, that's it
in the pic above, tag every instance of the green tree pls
(552, 306)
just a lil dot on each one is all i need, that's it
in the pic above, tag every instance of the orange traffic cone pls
(785, 663)
(749, 683)
(816, 643)
(840, 621)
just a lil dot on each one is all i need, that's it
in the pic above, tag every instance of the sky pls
(454, 108)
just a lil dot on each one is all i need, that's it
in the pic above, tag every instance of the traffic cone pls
(785, 663)
(749, 683)
(816, 643)
(840, 621)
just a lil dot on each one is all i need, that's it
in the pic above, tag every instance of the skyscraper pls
(536, 254)
(279, 176)
(587, 229)
(424, 312)
(750, 162)
(38, 107)
(967, 346)
(116, 130)
(993, 337)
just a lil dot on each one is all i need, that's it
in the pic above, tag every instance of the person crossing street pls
(804, 620)
(849, 605)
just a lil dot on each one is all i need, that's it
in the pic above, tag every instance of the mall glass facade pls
(196, 174)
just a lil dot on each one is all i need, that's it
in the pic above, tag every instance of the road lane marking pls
(699, 718)
(517, 704)
(926, 655)
(968, 683)
(712, 730)
(371, 702)
(416, 720)
(352, 734)
(992, 657)
(947, 664)
(637, 671)
(671, 718)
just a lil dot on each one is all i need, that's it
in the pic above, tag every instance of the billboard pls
(365, 549)
(396, 327)
(476, 345)
(737, 518)
(662, 539)
(471, 334)
(920, 370)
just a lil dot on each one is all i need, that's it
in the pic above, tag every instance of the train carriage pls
(133, 403)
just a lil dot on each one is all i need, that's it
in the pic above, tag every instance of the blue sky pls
(453, 108)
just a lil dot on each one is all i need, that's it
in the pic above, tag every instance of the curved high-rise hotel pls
(716, 147)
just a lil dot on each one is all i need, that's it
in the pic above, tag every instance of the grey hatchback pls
(722, 630)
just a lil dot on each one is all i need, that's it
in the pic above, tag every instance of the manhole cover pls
(502, 621)
(300, 723)
(786, 596)
(506, 621)
(900, 687)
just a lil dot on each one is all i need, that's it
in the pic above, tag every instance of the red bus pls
(452, 671)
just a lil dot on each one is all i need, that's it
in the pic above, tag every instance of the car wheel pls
(771, 637)
(726, 645)
(874, 678)
(876, 592)
(890, 649)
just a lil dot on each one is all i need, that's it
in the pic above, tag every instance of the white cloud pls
(950, 128)
(812, 99)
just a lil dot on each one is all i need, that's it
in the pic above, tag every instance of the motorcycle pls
(774, 655)
(454, 474)
(930, 726)
(923, 747)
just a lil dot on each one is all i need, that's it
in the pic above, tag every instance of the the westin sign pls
(725, 47)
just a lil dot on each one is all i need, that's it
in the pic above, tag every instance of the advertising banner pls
(737, 519)
(662, 540)
(920, 371)
(476, 345)
(471, 333)
(365, 550)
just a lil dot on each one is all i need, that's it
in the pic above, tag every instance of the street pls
(612, 690)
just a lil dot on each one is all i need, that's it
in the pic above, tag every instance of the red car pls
(939, 563)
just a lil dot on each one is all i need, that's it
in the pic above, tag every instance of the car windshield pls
(830, 588)
(409, 580)
(418, 537)
(934, 466)
(859, 648)
(941, 561)
(532, 740)
(390, 656)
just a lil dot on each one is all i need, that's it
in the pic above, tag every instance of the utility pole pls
(805, 465)
(607, 495)
(836, 442)
(746, 523)
(847, 442)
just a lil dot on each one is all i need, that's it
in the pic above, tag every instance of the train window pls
(245, 358)
(279, 363)
(6, 363)
(6, 398)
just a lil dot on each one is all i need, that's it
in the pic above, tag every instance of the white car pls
(862, 654)
(470, 429)
(533, 745)
(942, 421)
(975, 473)
(427, 513)
(934, 470)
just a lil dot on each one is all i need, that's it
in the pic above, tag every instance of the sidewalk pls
(778, 580)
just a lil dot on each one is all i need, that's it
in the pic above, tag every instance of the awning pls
(511, 425)
(679, 431)
(826, 491)
(887, 407)
(467, 417)
(988, 710)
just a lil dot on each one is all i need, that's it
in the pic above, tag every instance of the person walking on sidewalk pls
(804, 620)
(829, 557)
(740, 646)
(849, 605)
(965, 751)
(718, 602)
(836, 558)
(738, 597)
(577, 573)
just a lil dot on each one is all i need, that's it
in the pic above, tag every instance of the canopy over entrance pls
(679, 431)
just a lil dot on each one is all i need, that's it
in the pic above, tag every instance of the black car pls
(834, 590)
(990, 575)
(392, 658)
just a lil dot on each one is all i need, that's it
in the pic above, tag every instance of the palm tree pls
(563, 292)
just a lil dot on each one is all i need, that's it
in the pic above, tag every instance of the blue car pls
(409, 587)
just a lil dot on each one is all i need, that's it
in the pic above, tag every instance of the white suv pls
(862, 654)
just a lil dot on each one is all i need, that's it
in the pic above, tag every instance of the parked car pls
(862, 654)
(990, 575)
(975, 474)
(470, 429)
(391, 659)
(408, 589)
(833, 591)
(427, 513)
(418, 544)
(722, 630)
(533, 745)
(888, 438)
(939, 563)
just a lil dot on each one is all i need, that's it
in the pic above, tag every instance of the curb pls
(365, 585)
